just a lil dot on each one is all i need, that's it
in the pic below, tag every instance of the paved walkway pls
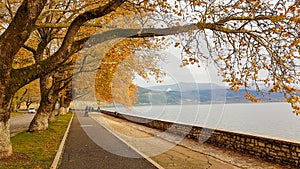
(89, 146)
(20, 123)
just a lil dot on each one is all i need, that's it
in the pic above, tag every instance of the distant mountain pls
(189, 93)
(147, 96)
(182, 87)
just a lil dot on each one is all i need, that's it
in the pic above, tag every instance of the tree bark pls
(11, 41)
(62, 111)
(5, 143)
(40, 120)
(6, 146)
(62, 106)
(65, 98)
(48, 98)
(53, 111)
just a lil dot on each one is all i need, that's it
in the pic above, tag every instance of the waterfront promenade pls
(90, 142)
(81, 152)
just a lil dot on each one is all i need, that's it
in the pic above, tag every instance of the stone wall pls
(279, 151)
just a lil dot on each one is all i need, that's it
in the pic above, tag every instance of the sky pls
(177, 74)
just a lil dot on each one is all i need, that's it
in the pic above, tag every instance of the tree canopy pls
(251, 42)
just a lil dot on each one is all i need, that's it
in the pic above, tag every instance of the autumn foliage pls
(251, 42)
(121, 64)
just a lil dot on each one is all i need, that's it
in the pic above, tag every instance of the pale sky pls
(176, 74)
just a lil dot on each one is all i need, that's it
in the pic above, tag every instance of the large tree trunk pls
(40, 120)
(65, 100)
(62, 111)
(11, 40)
(53, 111)
(62, 108)
(5, 143)
(67, 104)
(64, 105)
(51, 117)
(6, 146)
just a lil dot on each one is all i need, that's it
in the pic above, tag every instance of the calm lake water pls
(274, 120)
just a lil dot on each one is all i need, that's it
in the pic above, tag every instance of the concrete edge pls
(140, 153)
(61, 146)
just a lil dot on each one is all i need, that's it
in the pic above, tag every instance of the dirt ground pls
(173, 152)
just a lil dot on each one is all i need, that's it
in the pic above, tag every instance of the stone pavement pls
(90, 146)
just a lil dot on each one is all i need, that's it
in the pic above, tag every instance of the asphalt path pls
(91, 146)
(20, 122)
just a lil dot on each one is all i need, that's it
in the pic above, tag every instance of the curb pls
(140, 153)
(61, 146)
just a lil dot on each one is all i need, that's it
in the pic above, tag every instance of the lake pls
(274, 120)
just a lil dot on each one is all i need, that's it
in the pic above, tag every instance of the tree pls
(14, 38)
(244, 38)
(18, 100)
(10, 42)
(46, 40)
(51, 85)
(65, 98)
(29, 93)
(119, 67)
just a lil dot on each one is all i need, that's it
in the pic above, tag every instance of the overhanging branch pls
(23, 76)
(69, 47)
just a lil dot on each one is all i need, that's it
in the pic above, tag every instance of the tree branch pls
(19, 29)
(30, 49)
(64, 25)
(23, 76)
(53, 62)
(70, 47)
(243, 18)
(149, 32)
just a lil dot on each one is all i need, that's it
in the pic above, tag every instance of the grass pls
(37, 150)
(16, 113)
